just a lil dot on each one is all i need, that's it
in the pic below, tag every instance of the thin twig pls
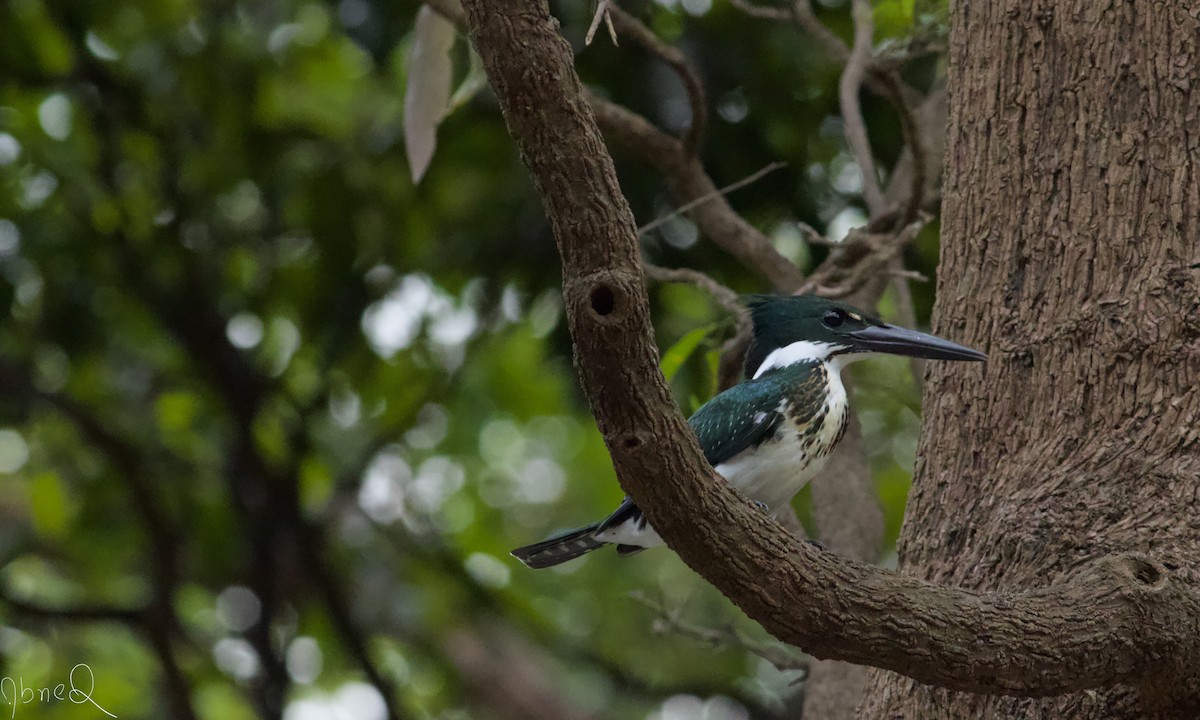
(762, 11)
(729, 367)
(901, 274)
(917, 151)
(857, 259)
(603, 12)
(813, 237)
(839, 52)
(674, 58)
(848, 89)
(754, 177)
(687, 180)
(670, 622)
(723, 295)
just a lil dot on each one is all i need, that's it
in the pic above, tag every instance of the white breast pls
(775, 471)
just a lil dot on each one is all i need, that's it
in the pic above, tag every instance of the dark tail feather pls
(560, 548)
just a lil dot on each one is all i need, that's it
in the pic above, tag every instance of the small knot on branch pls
(632, 440)
(1146, 573)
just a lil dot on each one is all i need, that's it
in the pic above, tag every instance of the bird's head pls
(791, 329)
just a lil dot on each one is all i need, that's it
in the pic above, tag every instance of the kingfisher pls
(770, 434)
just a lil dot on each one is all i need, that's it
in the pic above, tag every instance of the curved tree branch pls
(688, 181)
(848, 89)
(1124, 613)
(677, 61)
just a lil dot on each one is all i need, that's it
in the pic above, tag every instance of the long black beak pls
(902, 341)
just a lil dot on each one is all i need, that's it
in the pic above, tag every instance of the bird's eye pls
(833, 318)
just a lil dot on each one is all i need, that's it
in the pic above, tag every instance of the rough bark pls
(1069, 224)
(1117, 619)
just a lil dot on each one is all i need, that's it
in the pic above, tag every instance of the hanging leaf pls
(678, 353)
(427, 95)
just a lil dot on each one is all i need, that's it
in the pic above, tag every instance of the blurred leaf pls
(176, 411)
(316, 484)
(893, 17)
(427, 94)
(677, 354)
(49, 505)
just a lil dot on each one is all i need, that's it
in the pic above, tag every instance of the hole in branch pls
(603, 300)
(1146, 573)
(631, 441)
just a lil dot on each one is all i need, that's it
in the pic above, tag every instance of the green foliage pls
(244, 356)
(678, 353)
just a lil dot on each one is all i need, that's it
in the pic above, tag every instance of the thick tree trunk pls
(1069, 225)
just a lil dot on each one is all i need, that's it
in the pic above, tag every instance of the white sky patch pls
(845, 221)
(37, 189)
(102, 50)
(679, 232)
(541, 480)
(345, 407)
(393, 323)
(501, 442)
(381, 495)
(679, 707)
(236, 657)
(244, 330)
(29, 286)
(14, 453)
(10, 149)
(238, 608)
(733, 107)
(845, 175)
(352, 701)
(54, 115)
(243, 205)
(487, 570)
(360, 701)
(436, 480)
(304, 660)
(453, 326)
(788, 240)
(510, 303)
(10, 237)
(282, 36)
(432, 424)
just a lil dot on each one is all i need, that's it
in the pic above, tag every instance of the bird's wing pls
(737, 419)
(740, 418)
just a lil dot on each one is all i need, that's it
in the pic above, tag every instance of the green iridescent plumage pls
(747, 414)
